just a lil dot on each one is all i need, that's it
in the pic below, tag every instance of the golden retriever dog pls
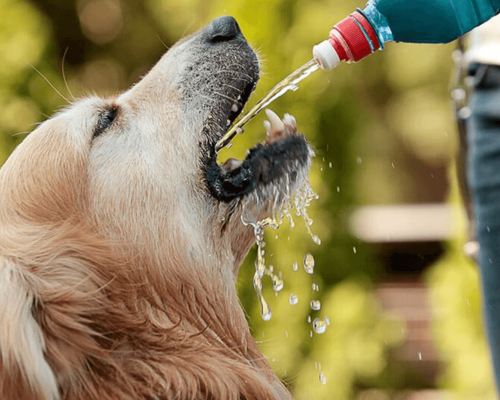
(121, 237)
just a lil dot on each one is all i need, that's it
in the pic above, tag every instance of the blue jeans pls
(483, 171)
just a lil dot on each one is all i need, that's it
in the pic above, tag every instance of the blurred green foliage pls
(380, 129)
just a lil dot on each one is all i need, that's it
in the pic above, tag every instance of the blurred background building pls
(402, 301)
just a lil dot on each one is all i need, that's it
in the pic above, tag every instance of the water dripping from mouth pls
(301, 201)
(260, 265)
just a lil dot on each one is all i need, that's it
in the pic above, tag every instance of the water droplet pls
(420, 356)
(464, 113)
(316, 239)
(338, 189)
(319, 325)
(458, 94)
(266, 313)
(309, 263)
(354, 250)
(359, 160)
(294, 299)
(322, 378)
(315, 305)
(265, 309)
(309, 319)
(330, 164)
(315, 287)
(287, 214)
(295, 266)
(277, 283)
(257, 281)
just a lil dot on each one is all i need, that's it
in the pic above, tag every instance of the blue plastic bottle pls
(410, 21)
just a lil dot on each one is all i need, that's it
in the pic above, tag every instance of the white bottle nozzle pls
(325, 55)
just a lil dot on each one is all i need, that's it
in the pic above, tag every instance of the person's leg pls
(484, 181)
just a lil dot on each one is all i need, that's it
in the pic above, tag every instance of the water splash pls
(289, 83)
(260, 265)
(301, 201)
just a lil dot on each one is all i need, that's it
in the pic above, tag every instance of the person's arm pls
(411, 21)
(434, 21)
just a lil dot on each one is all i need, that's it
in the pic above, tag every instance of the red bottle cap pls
(354, 38)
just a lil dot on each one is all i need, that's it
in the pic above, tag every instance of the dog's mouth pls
(217, 83)
(277, 161)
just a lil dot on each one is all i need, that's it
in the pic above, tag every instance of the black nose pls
(223, 28)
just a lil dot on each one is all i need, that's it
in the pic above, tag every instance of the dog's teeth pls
(234, 108)
(232, 163)
(267, 125)
(290, 124)
(276, 124)
(290, 121)
(279, 129)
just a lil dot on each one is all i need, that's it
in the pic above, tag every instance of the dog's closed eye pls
(106, 119)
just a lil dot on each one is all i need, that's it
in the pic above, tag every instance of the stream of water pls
(289, 83)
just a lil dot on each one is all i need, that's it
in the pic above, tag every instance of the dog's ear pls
(24, 372)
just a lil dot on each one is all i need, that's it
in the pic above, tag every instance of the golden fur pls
(117, 265)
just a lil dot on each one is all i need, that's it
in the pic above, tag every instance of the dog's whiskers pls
(64, 74)
(50, 83)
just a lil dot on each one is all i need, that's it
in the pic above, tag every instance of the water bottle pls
(410, 21)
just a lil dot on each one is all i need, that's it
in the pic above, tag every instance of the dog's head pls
(141, 167)
(138, 174)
